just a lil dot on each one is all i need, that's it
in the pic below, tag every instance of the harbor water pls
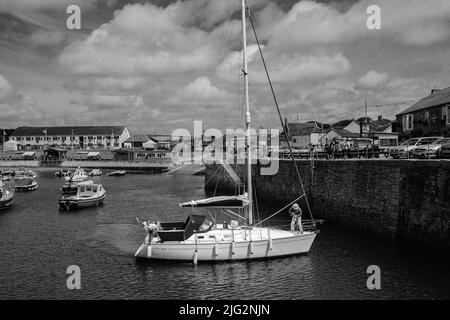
(38, 242)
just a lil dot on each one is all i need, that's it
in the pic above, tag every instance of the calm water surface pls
(38, 242)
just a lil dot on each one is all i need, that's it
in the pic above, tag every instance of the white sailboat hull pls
(291, 243)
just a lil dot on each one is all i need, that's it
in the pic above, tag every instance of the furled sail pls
(216, 202)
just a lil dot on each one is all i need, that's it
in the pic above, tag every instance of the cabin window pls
(94, 189)
(201, 237)
(407, 122)
(82, 189)
(212, 237)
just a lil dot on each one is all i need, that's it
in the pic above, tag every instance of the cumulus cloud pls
(5, 88)
(372, 80)
(16, 107)
(308, 23)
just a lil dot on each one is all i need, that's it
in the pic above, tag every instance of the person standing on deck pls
(296, 214)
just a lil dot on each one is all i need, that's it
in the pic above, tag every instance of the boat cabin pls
(180, 231)
(88, 190)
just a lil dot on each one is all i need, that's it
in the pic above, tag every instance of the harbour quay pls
(407, 201)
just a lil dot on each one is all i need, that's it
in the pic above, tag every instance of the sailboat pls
(201, 239)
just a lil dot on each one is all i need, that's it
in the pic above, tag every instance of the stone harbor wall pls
(403, 200)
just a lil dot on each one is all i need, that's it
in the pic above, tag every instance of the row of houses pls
(305, 135)
(82, 137)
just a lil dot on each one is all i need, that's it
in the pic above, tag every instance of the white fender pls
(233, 247)
(251, 247)
(216, 249)
(149, 251)
(195, 257)
(270, 244)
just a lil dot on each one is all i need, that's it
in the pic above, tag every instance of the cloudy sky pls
(158, 65)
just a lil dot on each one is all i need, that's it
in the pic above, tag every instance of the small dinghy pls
(72, 187)
(95, 173)
(78, 176)
(117, 173)
(91, 195)
(6, 197)
(26, 185)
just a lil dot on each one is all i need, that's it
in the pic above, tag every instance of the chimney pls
(434, 90)
(380, 117)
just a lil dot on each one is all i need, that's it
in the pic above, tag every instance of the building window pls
(448, 114)
(407, 122)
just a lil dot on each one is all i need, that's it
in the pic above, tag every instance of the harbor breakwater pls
(113, 165)
(403, 200)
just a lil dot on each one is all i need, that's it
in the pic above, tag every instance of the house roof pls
(345, 133)
(68, 130)
(436, 98)
(302, 129)
(139, 137)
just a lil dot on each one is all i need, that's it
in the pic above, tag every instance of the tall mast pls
(247, 117)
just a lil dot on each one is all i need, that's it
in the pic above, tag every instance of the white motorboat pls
(78, 176)
(87, 195)
(201, 238)
(117, 173)
(63, 173)
(95, 173)
(6, 196)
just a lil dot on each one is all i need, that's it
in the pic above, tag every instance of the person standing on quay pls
(296, 214)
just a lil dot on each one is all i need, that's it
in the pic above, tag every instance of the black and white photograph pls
(246, 152)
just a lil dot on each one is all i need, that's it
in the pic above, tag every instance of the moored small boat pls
(6, 196)
(63, 173)
(24, 174)
(78, 176)
(95, 173)
(90, 195)
(26, 185)
(117, 173)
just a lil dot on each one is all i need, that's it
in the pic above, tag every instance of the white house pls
(78, 137)
(302, 135)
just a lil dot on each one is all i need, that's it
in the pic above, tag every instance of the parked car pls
(405, 149)
(431, 150)
(444, 152)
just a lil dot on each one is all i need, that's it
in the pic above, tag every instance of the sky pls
(157, 66)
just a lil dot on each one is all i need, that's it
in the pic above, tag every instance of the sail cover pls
(218, 202)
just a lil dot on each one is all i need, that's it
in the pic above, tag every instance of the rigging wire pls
(279, 115)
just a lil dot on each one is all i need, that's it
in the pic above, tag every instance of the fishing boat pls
(78, 176)
(95, 173)
(117, 173)
(6, 196)
(72, 187)
(87, 195)
(26, 185)
(201, 238)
